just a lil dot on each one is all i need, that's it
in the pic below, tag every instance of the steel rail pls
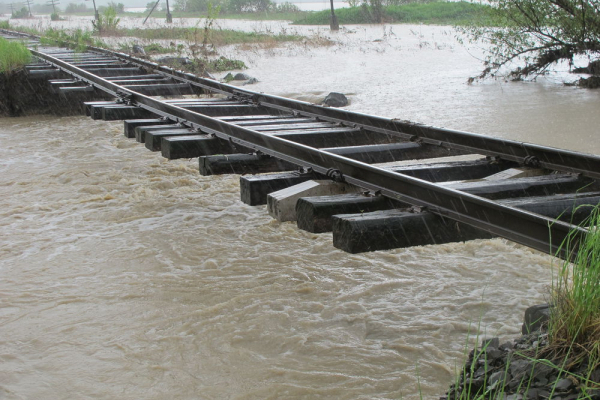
(533, 230)
(511, 150)
(520, 152)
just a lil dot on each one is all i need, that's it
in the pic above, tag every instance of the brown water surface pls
(123, 275)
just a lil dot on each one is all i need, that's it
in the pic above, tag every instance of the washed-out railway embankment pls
(322, 166)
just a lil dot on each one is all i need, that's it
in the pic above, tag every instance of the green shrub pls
(13, 55)
(287, 7)
(225, 64)
(22, 13)
(107, 22)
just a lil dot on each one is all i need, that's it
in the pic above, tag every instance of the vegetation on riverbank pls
(560, 360)
(13, 56)
(219, 37)
(443, 13)
(536, 34)
(574, 326)
(78, 39)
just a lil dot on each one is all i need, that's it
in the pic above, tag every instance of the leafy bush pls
(107, 22)
(287, 8)
(54, 17)
(523, 38)
(225, 64)
(22, 13)
(73, 8)
(246, 6)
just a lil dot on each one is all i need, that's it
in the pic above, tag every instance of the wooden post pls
(334, 25)
(96, 15)
(169, 16)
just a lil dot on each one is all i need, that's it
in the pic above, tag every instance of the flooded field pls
(123, 275)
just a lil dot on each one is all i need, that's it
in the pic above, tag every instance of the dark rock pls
(475, 384)
(595, 377)
(173, 61)
(542, 373)
(334, 99)
(251, 81)
(535, 393)
(492, 343)
(138, 50)
(240, 76)
(502, 377)
(506, 346)
(594, 394)
(519, 368)
(494, 354)
(535, 318)
(564, 385)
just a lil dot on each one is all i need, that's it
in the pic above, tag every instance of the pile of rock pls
(240, 78)
(518, 369)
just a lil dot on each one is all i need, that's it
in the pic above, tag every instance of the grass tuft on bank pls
(440, 13)
(218, 37)
(574, 325)
(13, 56)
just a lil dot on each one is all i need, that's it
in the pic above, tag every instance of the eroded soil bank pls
(21, 96)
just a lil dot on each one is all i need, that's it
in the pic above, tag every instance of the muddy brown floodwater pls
(127, 276)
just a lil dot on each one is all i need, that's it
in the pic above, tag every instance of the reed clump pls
(574, 325)
(13, 56)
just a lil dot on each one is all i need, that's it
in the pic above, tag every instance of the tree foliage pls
(73, 8)
(235, 6)
(529, 36)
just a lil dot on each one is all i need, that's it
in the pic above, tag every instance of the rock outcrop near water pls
(524, 369)
(335, 99)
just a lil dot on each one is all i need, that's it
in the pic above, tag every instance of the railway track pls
(522, 192)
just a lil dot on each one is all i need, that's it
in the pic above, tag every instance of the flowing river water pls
(126, 276)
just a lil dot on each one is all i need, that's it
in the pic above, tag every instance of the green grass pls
(267, 16)
(78, 39)
(442, 13)
(253, 16)
(4, 25)
(13, 55)
(218, 37)
(575, 317)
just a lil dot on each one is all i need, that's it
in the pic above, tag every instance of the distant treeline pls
(71, 8)
(377, 11)
(233, 6)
